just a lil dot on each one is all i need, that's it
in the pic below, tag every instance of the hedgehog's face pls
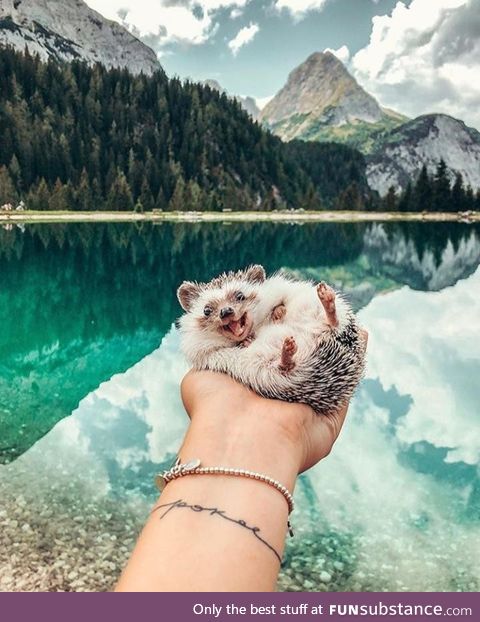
(224, 306)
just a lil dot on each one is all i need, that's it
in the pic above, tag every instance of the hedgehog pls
(284, 338)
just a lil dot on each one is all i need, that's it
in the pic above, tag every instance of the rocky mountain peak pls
(70, 30)
(322, 90)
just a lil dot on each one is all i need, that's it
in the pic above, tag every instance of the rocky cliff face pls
(70, 30)
(401, 153)
(322, 101)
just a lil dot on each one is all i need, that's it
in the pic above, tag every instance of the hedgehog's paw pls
(278, 313)
(327, 297)
(326, 294)
(289, 350)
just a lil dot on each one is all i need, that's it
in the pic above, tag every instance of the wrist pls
(251, 439)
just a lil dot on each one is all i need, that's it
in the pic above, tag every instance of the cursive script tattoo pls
(180, 503)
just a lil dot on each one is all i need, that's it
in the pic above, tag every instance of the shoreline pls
(289, 217)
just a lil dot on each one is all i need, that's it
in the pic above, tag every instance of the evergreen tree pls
(120, 196)
(391, 200)
(39, 197)
(270, 202)
(146, 197)
(193, 196)
(16, 173)
(431, 194)
(458, 194)
(59, 198)
(469, 198)
(8, 194)
(351, 199)
(422, 199)
(84, 200)
(441, 189)
(161, 202)
(405, 202)
(177, 202)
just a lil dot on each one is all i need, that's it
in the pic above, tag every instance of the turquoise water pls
(90, 410)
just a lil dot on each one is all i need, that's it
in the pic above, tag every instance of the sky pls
(415, 56)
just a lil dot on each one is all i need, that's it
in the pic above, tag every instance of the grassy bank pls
(293, 216)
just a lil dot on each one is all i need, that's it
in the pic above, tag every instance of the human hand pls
(238, 425)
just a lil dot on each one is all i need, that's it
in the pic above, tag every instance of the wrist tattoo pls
(180, 503)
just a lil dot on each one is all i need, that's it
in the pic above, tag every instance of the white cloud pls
(148, 391)
(213, 5)
(343, 53)
(244, 36)
(236, 13)
(160, 22)
(425, 58)
(426, 346)
(298, 8)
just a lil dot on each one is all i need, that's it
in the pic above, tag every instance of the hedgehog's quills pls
(286, 339)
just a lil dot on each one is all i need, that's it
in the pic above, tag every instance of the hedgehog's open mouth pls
(239, 329)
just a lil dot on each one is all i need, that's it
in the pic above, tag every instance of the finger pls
(364, 336)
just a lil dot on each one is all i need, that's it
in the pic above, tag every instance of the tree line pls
(433, 193)
(87, 138)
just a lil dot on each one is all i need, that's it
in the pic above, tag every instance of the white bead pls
(175, 473)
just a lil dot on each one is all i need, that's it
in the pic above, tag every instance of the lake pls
(90, 408)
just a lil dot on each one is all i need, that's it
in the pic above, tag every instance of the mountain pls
(400, 154)
(76, 137)
(70, 30)
(248, 103)
(322, 101)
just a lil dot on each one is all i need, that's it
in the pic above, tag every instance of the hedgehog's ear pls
(187, 293)
(255, 274)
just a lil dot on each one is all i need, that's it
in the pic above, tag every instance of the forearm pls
(213, 532)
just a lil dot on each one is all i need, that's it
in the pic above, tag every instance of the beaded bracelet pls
(194, 468)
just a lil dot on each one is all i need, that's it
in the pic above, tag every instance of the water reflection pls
(404, 477)
(80, 303)
(395, 507)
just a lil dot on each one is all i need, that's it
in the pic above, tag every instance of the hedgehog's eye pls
(207, 311)
(239, 296)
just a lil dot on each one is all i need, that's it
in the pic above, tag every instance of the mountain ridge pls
(71, 30)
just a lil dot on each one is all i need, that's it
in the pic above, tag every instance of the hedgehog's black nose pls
(226, 311)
